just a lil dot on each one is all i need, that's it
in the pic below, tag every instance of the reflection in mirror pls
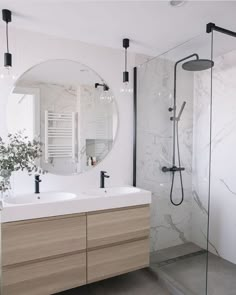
(65, 106)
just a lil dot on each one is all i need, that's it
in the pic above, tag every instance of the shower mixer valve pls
(172, 169)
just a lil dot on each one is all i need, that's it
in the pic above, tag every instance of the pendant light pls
(105, 96)
(6, 73)
(126, 88)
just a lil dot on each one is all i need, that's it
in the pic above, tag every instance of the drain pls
(173, 260)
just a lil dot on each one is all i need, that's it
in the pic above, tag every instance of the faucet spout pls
(37, 181)
(102, 178)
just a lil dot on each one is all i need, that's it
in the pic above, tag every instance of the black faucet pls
(102, 178)
(37, 180)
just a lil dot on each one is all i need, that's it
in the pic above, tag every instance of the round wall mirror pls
(70, 109)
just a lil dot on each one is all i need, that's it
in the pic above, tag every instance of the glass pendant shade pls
(106, 97)
(126, 88)
(6, 73)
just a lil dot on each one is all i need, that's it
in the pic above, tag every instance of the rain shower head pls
(198, 65)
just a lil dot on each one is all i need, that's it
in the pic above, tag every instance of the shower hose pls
(180, 173)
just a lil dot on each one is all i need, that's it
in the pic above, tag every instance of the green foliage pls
(18, 153)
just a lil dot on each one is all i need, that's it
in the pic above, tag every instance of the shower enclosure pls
(173, 108)
(185, 135)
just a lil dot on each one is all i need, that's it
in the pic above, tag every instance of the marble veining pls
(169, 220)
(169, 225)
(198, 201)
(227, 186)
(223, 188)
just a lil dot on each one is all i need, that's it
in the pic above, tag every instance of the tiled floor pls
(188, 275)
(142, 282)
(185, 276)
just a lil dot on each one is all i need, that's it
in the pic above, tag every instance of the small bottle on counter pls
(94, 161)
(89, 161)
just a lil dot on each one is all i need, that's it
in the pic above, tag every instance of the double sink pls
(46, 204)
(50, 197)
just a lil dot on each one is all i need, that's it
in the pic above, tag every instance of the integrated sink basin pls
(113, 191)
(48, 204)
(40, 198)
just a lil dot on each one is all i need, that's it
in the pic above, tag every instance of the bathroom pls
(123, 140)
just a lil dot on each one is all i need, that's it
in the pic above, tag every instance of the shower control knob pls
(165, 169)
(170, 109)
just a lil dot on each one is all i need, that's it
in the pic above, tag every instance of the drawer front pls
(115, 260)
(45, 277)
(34, 239)
(117, 226)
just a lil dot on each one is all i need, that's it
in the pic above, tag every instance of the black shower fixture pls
(210, 27)
(189, 63)
(125, 73)
(6, 17)
(105, 87)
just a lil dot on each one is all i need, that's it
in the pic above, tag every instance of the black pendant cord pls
(125, 59)
(7, 37)
(7, 18)
(126, 73)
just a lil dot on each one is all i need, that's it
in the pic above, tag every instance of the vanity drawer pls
(45, 277)
(115, 226)
(39, 238)
(115, 260)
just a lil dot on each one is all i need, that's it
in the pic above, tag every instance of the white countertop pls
(83, 202)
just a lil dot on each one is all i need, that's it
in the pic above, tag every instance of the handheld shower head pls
(181, 111)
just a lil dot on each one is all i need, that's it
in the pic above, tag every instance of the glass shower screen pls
(173, 107)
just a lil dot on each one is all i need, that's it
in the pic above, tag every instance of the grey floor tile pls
(173, 252)
(142, 282)
(189, 274)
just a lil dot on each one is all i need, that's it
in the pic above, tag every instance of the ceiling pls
(152, 26)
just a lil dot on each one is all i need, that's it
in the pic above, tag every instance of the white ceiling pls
(152, 26)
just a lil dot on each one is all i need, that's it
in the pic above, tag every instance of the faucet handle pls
(103, 173)
(37, 177)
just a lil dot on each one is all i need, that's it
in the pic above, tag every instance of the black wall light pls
(105, 87)
(125, 87)
(6, 17)
(105, 96)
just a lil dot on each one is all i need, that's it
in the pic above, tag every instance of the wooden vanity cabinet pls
(42, 238)
(49, 255)
(45, 277)
(117, 226)
(118, 242)
(44, 256)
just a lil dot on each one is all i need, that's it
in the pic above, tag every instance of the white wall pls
(30, 48)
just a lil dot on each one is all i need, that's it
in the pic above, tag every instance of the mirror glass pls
(68, 108)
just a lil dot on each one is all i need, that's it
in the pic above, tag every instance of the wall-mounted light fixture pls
(7, 18)
(105, 87)
(126, 86)
(105, 96)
